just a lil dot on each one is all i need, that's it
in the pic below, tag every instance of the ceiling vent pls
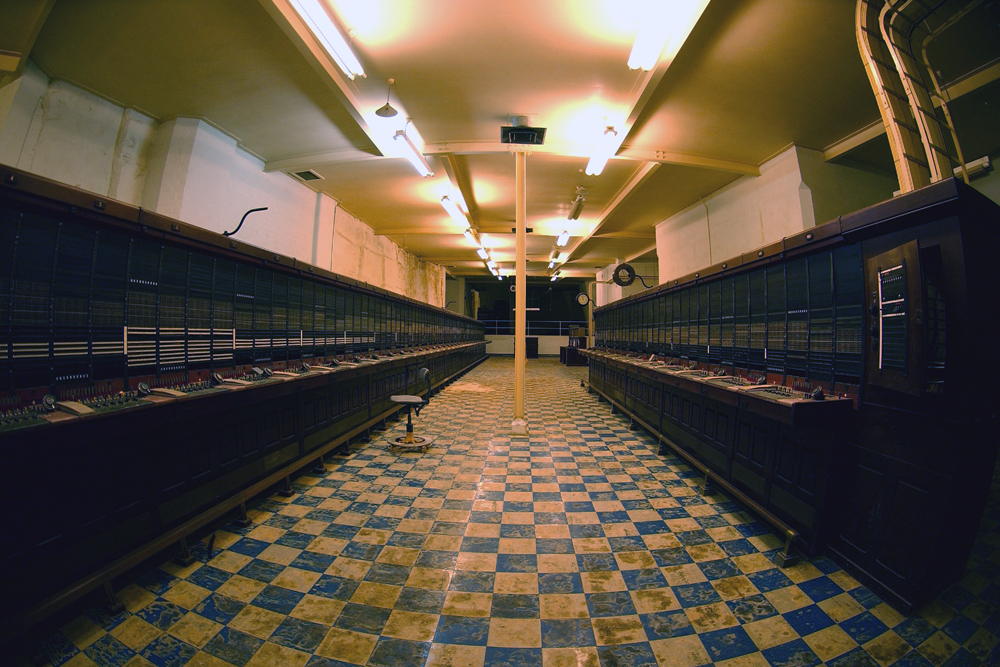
(520, 133)
(307, 175)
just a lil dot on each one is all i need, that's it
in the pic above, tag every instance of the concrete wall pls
(795, 190)
(547, 345)
(454, 294)
(186, 169)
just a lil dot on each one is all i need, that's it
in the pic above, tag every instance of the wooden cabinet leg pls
(186, 557)
(111, 601)
(242, 519)
(786, 557)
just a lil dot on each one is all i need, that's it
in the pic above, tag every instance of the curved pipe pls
(253, 210)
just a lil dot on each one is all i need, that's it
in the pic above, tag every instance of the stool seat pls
(406, 399)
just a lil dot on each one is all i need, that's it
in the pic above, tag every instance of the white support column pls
(519, 426)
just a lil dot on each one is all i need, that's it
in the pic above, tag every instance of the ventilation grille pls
(307, 175)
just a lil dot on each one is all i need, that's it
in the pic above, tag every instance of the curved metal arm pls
(253, 210)
(425, 375)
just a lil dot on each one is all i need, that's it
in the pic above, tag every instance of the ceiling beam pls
(625, 235)
(23, 20)
(584, 151)
(486, 147)
(312, 160)
(970, 82)
(423, 229)
(862, 136)
(638, 178)
(346, 93)
(639, 253)
(643, 91)
(956, 89)
(417, 231)
(457, 168)
(668, 157)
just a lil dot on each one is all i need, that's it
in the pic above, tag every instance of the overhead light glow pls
(410, 152)
(554, 277)
(606, 146)
(563, 238)
(319, 23)
(469, 236)
(482, 253)
(499, 277)
(490, 263)
(654, 31)
(460, 200)
(563, 256)
(552, 264)
(453, 210)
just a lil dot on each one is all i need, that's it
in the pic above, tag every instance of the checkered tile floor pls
(580, 546)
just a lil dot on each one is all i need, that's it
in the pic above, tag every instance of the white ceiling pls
(752, 78)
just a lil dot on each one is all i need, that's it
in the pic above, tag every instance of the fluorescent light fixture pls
(411, 153)
(482, 253)
(499, 277)
(554, 277)
(460, 200)
(563, 256)
(606, 146)
(563, 238)
(470, 237)
(490, 263)
(552, 264)
(453, 209)
(654, 31)
(321, 26)
(577, 208)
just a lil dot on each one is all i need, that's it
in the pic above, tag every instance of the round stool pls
(409, 441)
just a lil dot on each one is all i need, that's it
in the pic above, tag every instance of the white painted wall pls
(989, 184)
(838, 189)
(606, 292)
(547, 345)
(186, 169)
(794, 191)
